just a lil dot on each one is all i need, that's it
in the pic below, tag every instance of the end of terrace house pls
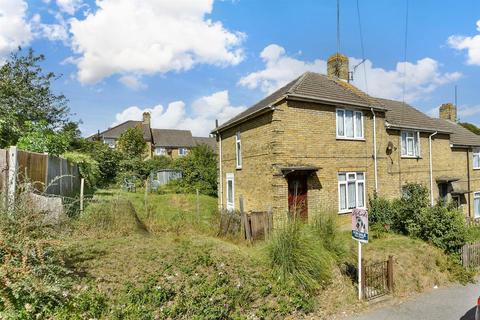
(321, 142)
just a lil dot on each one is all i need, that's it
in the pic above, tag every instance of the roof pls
(172, 138)
(211, 142)
(313, 86)
(116, 131)
(460, 136)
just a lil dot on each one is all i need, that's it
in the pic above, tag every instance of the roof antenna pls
(338, 26)
(455, 96)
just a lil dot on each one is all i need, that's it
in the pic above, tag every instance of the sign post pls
(360, 234)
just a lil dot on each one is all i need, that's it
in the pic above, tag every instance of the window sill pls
(476, 169)
(351, 139)
(238, 168)
(349, 210)
(410, 157)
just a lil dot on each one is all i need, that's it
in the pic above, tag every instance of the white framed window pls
(476, 204)
(351, 191)
(410, 142)
(238, 150)
(182, 151)
(230, 185)
(349, 124)
(110, 142)
(476, 158)
(160, 151)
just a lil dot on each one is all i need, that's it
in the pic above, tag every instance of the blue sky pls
(191, 62)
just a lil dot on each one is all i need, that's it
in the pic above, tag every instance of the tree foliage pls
(26, 97)
(470, 126)
(132, 144)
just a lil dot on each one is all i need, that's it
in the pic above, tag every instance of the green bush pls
(407, 209)
(88, 167)
(325, 227)
(297, 256)
(381, 212)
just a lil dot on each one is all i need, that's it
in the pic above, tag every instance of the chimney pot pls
(448, 111)
(337, 66)
(146, 118)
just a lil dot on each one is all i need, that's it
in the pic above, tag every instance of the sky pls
(190, 62)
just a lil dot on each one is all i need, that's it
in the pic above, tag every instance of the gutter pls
(431, 169)
(331, 101)
(396, 127)
(375, 148)
(468, 184)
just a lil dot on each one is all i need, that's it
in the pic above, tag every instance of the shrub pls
(132, 144)
(88, 167)
(444, 228)
(324, 225)
(408, 207)
(381, 212)
(297, 257)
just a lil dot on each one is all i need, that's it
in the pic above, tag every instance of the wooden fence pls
(470, 255)
(47, 174)
(377, 278)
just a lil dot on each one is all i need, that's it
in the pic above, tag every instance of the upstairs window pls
(182, 151)
(110, 142)
(476, 158)
(351, 190)
(410, 144)
(160, 151)
(238, 148)
(349, 124)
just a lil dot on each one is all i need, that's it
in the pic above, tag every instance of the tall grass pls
(298, 257)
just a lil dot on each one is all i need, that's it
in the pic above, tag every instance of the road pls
(452, 303)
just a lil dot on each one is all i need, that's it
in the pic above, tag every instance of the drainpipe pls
(431, 170)
(220, 169)
(468, 184)
(375, 149)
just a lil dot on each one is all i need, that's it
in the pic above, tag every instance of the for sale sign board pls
(360, 225)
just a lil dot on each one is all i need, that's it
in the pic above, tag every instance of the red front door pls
(297, 195)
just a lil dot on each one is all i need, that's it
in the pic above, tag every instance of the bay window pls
(410, 141)
(349, 124)
(351, 191)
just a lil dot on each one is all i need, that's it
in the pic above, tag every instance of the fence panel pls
(470, 255)
(377, 279)
(32, 168)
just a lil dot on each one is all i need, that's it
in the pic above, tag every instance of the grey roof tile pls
(172, 138)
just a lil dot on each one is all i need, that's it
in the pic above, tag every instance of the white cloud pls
(15, 30)
(200, 121)
(279, 70)
(422, 77)
(53, 32)
(133, 82)
(150, 36)
(471, 44)
(69, 6)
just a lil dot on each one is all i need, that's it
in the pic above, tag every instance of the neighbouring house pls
(321, 142)
(161, 142)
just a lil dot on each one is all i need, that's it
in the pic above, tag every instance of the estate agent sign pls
(360, 225)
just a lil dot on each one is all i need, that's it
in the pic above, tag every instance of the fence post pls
(12, 176)
(82, 185)
(245, 220)
(390, 273)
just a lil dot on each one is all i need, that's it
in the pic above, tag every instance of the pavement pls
(451, 303)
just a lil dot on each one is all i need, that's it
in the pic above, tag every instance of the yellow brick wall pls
(301, 133)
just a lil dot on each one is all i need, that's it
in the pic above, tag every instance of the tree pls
(39, 137)
(470, 126)
(26, 97)
(199, 170)
(132, 144)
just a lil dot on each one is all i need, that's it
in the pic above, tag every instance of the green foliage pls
(325, 227)
(89, 168)
(40, 137)
(441, 225)
(470, 126)
(381, 212)
(298, 257)
(108, 160)
(158, 163)
(26, 96)
(199, 171)
(132, 144)
(444, 228)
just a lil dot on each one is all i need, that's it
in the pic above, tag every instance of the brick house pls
(321, 142)
(161, 142)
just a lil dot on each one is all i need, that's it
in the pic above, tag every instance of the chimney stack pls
(146, 118)
(448, 111)
(337, 66)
